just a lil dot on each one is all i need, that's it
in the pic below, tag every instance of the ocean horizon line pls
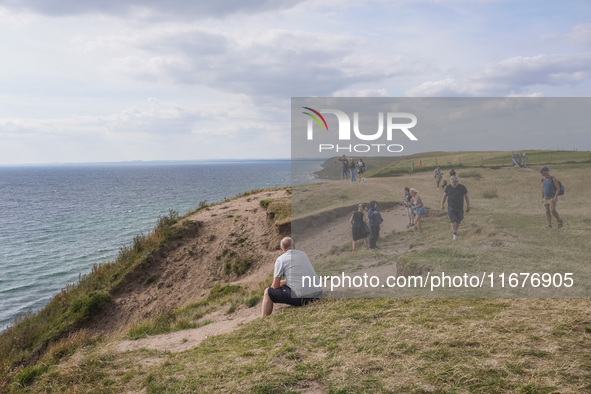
(140, 162)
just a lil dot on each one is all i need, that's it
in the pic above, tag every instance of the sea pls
(57, 221)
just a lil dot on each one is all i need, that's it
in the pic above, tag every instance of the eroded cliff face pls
(232, 242)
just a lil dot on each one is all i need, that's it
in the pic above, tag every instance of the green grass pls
(360, 345)
(469, 174)
(280, 210)
(490, 193)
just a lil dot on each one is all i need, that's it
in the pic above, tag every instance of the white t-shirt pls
(299, 274)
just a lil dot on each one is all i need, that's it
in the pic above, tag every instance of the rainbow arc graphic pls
(315, 118)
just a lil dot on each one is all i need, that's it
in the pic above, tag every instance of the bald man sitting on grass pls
(299, 286)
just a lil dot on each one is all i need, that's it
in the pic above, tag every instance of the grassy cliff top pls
(396, 165)
(380, 345)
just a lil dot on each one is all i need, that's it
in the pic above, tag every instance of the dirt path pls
(186, 339)
(320, 238)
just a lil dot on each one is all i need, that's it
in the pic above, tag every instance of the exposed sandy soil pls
(321, 233)
(185, 270)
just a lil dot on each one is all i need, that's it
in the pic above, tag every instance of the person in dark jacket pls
(375, 221)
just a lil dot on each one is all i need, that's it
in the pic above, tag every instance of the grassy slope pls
(420, 345)
(404, 345)
(395, 166)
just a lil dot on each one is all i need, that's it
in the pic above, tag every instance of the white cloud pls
(257, 62)
(512, 76)
(153, 117)
(580, 34)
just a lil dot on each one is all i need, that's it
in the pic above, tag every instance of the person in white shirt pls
(300, 285)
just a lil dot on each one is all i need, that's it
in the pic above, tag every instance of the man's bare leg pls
(267, 307)
(549, 218)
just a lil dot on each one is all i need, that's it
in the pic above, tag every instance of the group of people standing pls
(454, 193)
(349, 167)
(362, 229)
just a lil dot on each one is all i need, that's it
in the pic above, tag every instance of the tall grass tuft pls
(470, 174)
(491, 193)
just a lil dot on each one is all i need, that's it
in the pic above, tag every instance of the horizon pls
(220, 160)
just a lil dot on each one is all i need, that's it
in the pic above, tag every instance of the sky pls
(184, 80)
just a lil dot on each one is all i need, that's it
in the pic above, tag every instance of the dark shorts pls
(282, 295)
(455, 215)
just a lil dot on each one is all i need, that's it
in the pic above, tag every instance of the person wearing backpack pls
(551, 189)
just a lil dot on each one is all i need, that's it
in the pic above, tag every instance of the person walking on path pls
(359, 229)
(438, 175)
(550, 192)
(375, 221)
(418, 206)
(456, 193)
(409, 211)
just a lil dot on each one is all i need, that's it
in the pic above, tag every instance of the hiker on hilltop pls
(550, 192)
(293, 265)
(361, 170)
(375, 221)
(344, 167)
(359, 227)
(352, 169)
(456, 192)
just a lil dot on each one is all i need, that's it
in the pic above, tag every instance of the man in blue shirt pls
(550, 190)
